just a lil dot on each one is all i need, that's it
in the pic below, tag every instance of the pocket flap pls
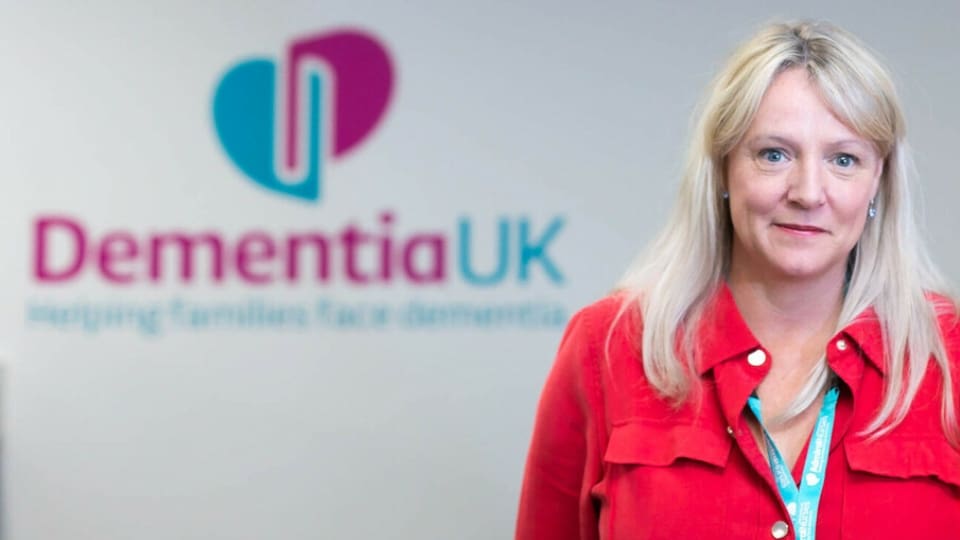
(906, 457)
(662, 444)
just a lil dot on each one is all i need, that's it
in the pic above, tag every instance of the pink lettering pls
(64, 249)
(118, 248)
(386, 246)
(351, 239)
(42, 270)
(185, 245)
(253, 248)
(435, 247)
(294, 243)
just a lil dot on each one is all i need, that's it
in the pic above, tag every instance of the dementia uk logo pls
(279, 124)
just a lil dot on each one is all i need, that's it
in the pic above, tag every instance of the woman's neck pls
(785, 312)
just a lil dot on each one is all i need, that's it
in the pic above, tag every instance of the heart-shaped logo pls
(280, 124)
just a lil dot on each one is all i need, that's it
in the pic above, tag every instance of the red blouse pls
(611, 460)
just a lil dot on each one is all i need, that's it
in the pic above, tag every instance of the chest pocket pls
(656, 476)
(660, 445)
(904, 483)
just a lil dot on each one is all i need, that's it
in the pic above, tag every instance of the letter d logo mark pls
(278, 126)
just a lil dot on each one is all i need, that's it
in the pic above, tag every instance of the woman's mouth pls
(799, 229)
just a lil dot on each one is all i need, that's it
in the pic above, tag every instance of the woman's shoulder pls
(602, 341)
(946, 306)
(947, 310)
(614, 316)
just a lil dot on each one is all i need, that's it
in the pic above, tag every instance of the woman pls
(781, 363)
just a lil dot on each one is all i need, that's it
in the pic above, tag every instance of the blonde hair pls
(889, 269)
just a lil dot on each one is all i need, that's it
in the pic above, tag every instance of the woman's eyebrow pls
(773, 138)
(787, 141)
(851, 142)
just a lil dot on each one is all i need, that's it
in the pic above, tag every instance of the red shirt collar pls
(724, 335)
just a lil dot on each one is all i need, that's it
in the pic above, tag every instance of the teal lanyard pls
(802, 503)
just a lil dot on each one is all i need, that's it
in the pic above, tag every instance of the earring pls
(871, 210)
(726, 195)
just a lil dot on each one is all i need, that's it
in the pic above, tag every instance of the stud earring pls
(726, 195)
(871, 210)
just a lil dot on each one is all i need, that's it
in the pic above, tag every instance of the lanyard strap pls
(802, 503)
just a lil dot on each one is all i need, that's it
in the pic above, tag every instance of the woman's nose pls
(807, 184)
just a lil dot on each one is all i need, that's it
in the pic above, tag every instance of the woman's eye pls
(772, 155)
(845, 160)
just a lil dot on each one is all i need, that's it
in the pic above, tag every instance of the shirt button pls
(841, 345)
(757, 358)
(779, 529)
(730, 431)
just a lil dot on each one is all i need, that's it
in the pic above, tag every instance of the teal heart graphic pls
(244, 113)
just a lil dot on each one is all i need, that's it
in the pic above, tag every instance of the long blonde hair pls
(890, 268)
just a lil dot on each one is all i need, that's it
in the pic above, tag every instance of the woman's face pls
(800, 183)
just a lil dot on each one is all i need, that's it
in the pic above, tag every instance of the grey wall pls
(520, 109)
